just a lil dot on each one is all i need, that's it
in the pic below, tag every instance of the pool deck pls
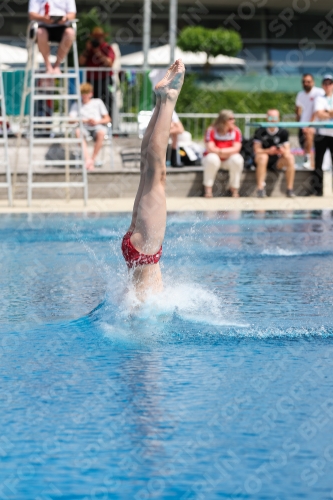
(174, 204)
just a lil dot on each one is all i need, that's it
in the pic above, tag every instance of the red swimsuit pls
(133, 257)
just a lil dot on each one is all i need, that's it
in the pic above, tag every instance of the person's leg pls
(143, 160)
(106, 94)
(261, 161)
(149, 230)
(63, 49)
(88, 160)
(174, 141)
(99, 139)
(234, 164)
(308, 140)
(301, 138)
(330, 146)
(44, 48)
(150, 219)
(288, 162)
(211, 164)
(175, 159)
(320, 150)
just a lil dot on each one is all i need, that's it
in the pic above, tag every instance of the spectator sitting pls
(99, 54)
(223, 144)
(94, 117)
(324, 139)
(53, 26)
(304, 110)
(272, 151)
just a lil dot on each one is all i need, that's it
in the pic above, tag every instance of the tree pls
(212, 41)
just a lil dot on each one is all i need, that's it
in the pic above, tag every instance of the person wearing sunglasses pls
(323, 111)
(223, 144)
(272, 151)
(305, 100)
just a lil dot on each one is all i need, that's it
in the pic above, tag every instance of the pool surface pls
(219, 388)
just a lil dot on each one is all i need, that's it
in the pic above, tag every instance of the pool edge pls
(191, 204)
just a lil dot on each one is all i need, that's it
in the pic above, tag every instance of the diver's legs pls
(143, 160)
(150, 221)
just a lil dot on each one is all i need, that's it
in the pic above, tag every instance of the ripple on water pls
(188, 395)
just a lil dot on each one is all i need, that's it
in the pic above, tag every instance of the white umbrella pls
(10, 54)
(160, 56)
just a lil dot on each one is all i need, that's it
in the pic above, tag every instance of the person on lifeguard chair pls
(54, 25)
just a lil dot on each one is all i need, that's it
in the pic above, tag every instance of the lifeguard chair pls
(40, 86)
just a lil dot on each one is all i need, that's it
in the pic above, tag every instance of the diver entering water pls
(142, 244)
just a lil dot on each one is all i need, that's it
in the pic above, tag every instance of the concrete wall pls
(182, 182)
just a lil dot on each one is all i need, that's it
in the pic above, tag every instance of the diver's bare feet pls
(171, 84)
(162, 83)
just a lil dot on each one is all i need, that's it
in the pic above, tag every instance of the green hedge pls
(194, 99)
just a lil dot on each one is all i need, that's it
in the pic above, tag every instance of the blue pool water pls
(219, 388)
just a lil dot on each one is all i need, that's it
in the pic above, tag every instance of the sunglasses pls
(272, 118)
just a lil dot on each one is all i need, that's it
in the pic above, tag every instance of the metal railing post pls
(173, 29)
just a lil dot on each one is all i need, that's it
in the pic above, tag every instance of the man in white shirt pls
(323, 111)
(53, 17)
(94, 117)
(304, 111)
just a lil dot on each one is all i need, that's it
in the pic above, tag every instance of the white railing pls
(125, 92)
(196, 123)
(121, 91)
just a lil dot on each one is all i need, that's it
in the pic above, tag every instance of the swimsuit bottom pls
(133, 257)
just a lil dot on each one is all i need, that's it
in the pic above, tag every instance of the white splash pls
(281, 252)
(132, 321)
(104, 232)
(191, 302)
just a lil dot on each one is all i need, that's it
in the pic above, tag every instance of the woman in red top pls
(223, 144)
